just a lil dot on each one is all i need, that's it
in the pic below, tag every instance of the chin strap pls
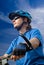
(28, 43)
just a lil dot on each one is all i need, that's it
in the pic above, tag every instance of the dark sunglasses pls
(16, 17)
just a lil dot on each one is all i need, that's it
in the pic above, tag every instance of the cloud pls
(4, 17)
(38, 15)
(22, 5)
(38, 18)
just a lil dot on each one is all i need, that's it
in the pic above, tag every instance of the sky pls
(7, 31)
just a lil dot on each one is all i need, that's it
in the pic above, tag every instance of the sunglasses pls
(15, 18)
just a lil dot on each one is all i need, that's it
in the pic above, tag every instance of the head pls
(20, 19)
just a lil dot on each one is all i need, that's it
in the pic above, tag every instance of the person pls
(21, 21)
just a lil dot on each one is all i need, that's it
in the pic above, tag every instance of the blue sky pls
(7, 32)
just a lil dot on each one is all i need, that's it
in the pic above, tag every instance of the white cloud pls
(22, 5)
(38, 15)
(4, 17)
(38, 18)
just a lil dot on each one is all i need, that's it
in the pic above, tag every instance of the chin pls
(15, 27)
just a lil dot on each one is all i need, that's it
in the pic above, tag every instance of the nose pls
(13, 20)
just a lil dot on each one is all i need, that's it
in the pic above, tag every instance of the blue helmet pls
(19, 13)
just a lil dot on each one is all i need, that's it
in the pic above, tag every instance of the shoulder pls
(35, 33)
(33, 30)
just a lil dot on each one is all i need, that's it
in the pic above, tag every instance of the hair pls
(29, 26)
(28, 22)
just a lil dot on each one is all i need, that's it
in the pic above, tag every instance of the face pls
(17, 21)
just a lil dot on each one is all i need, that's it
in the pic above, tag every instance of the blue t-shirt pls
(30, 56)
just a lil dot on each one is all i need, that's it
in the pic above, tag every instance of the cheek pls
(20, 21)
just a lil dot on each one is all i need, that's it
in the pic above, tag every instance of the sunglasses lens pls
(16, 17)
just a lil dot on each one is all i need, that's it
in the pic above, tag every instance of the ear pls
(25, 19)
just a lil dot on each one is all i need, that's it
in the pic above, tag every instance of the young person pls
(21, 21)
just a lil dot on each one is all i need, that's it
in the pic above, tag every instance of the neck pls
(23, 30)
